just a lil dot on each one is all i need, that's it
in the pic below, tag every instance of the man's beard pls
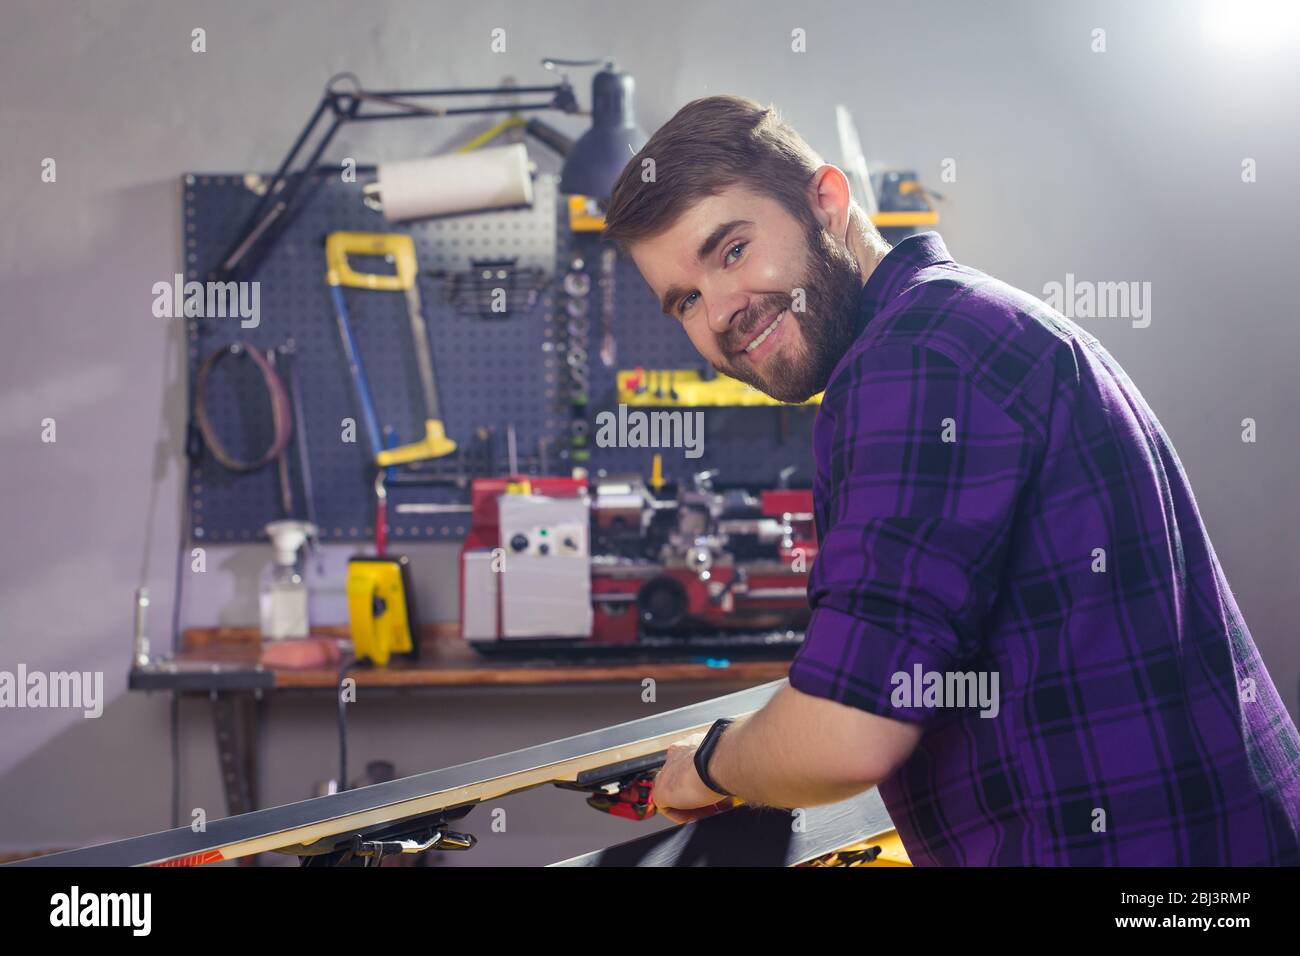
(832, 287)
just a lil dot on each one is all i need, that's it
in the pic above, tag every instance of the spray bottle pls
(283, 593)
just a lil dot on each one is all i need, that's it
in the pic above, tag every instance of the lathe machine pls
(568, 562)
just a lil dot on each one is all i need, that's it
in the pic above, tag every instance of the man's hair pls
(712, 144)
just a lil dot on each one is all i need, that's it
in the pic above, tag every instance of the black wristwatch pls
(705, 751)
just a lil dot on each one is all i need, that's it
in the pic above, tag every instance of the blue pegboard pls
(492, 372)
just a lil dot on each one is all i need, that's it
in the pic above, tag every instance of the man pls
(1020, 630)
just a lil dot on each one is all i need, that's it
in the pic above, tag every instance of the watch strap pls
(705, 750)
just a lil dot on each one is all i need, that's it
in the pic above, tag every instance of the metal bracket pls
(235, 720)
(374, 851)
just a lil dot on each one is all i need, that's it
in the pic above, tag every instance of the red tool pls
(632, 801)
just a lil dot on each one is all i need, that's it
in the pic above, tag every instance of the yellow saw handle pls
(435, 444)
(397, 245)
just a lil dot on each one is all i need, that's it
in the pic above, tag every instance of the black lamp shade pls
(598, 157)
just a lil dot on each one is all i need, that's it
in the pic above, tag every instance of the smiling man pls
(996, 505)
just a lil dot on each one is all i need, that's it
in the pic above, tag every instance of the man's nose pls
(726, 312)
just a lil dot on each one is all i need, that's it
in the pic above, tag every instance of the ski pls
(414, 813)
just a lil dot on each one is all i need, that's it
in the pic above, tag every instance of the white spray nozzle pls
(287, 537)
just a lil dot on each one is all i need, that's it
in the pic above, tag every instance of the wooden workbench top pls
(445, 660)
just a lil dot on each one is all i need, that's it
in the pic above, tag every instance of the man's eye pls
(733, 253)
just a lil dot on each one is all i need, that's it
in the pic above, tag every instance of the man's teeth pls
(765, 333)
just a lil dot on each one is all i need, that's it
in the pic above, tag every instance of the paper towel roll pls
(456, 183)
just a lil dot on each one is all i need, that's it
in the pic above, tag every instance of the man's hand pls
(679, 793)
(798, 750)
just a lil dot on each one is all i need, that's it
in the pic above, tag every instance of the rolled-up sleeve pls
(919, 475)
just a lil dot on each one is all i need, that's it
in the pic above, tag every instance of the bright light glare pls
(1251, 26)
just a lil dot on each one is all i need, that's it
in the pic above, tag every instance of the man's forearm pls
(781, 758)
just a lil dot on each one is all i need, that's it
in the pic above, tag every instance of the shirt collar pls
(894, 272)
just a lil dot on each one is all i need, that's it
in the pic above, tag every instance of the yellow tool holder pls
(896, 220)
(892, 853)
(585, 214)
(693, 391)
(905, 218)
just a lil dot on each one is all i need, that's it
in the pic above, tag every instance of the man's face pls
(764, 299)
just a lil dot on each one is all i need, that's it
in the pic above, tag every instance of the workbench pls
(223, 664)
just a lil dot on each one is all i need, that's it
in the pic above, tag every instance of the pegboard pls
(491, 372)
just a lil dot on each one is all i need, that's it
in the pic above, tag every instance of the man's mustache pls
(749, 325)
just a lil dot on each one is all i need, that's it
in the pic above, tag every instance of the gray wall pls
(1115, 166)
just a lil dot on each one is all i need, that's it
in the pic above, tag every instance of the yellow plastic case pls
(381, 608)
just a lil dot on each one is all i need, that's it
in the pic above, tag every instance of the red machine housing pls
(656, 569)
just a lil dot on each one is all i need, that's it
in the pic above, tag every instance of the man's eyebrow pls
(706, 249)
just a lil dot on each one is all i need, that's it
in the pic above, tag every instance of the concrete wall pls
(1114, 166)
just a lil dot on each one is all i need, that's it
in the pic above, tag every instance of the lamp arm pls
(276, 207)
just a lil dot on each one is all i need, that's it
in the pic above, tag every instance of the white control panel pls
(540, 541)
(546, 581)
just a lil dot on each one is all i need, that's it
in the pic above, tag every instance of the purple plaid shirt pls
(994, 497)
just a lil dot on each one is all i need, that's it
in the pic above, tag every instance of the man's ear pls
(830, 199)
